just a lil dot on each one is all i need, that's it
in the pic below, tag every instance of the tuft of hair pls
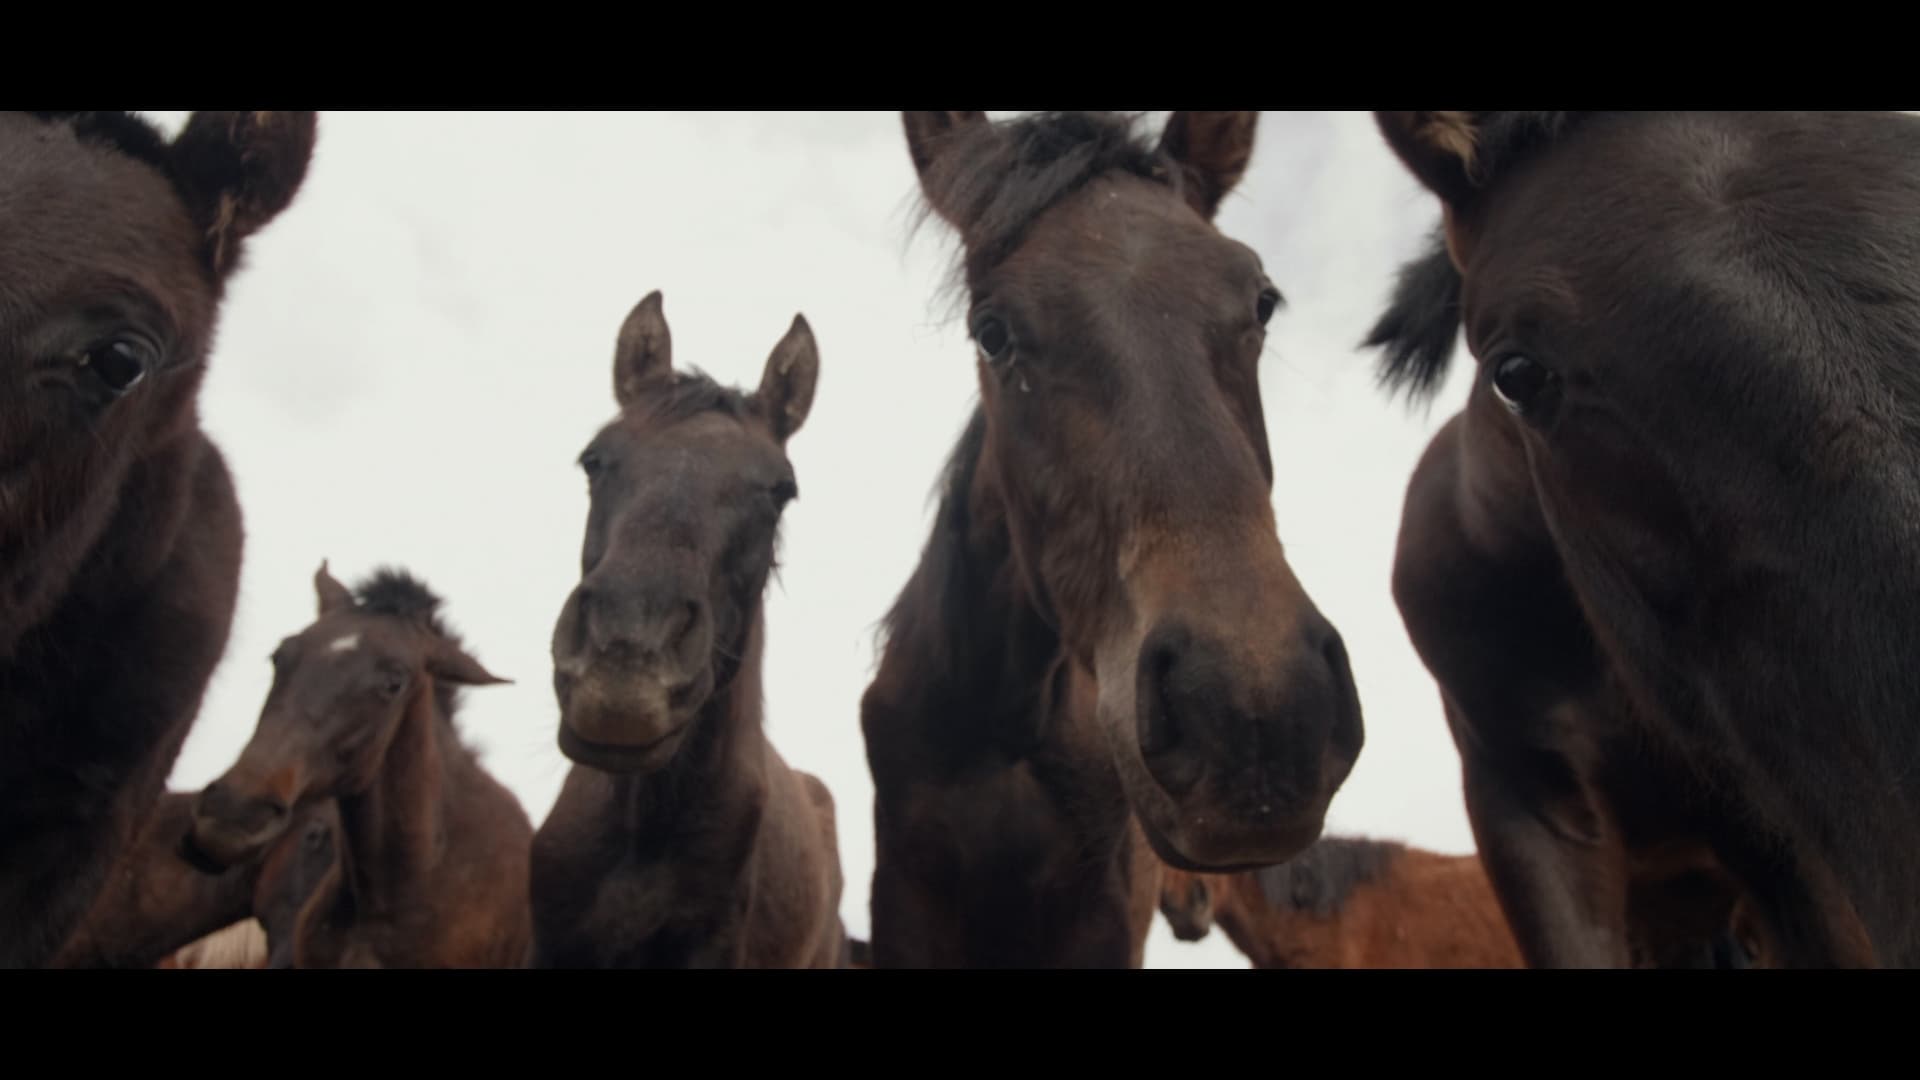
(394, 592)
(691, 393)
(1422, 321)
(1421, 325)
(995, 179)
(1319, 879)
(926, 614)
(1501, 138)
(135, 136)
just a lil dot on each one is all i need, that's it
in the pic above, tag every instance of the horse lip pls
(609, 757)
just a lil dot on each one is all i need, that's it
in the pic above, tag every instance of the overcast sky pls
(418, 349)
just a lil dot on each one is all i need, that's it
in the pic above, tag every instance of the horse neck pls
(395, 830)
(985, 651)
(723, 758)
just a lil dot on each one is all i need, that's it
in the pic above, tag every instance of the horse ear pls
(1439, 148)
(644, 355)
(449, 664)
(786, 386)
(930, 135)
(333, 595)
(236, 171)
(1213, 148)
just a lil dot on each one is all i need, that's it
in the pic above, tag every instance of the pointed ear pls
(449, 664)
(1439, 148)
(236, 171)
(930, 135)
(1214, 149)
(643, 356)
(786, 386)
(333, 595)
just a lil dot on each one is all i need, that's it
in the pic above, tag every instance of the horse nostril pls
(1159, 729)
(689, 617)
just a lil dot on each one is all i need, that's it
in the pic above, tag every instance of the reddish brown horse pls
(682, 838)
(155, 905)
(1665, 563)
(433, 855)
(120, 535)
(1103, 647)
(1348, 902)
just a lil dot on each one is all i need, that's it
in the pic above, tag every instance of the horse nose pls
(1258, 736)
(252, 814)
(654, 621)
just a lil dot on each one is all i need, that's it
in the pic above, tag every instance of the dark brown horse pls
(120, 535)
(155, 905)
(1666, 562)
(1102, 625)
(1349, 902)
(433, 855)
(681, 837)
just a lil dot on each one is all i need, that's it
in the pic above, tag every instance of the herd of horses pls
(1662, 565)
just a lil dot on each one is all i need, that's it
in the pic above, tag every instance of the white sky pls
(417, 350)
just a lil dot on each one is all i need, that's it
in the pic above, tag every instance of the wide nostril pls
(1159, 730)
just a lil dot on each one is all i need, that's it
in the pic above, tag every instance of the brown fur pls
(431, 848)
(155, 905)
(682, 838)
(120, 535)
(1422, 910)
(1662, 564)
(1102, 655)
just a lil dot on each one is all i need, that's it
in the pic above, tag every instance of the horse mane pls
(928, 614)
(395, 593)
(993, 180)
(1319, 880)
(135, 136)
(1420, 326)
(689, 394)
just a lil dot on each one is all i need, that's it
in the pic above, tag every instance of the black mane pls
(1422, 321)
(1319, 880)
(928, 609)
(396, 593)
(692, 393)
(997, 178)
(134, 136)
(1419, 329)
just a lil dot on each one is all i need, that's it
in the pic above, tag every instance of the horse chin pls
(621, 759)
(1272, 848)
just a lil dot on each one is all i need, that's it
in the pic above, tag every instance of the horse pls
(432, 849)
(1350, 902)
(1662, 564)
(120, 535)
(155, 906)
(1102, 660)
(681, 838)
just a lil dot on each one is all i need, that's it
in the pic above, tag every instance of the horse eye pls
(785, 492)
(1522, 384)
(992, 336)
(1268, 303)
(120, 364)
(592, 463)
